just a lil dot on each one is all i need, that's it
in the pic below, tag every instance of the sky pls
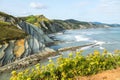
(105, 11)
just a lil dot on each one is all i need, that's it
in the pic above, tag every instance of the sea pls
(100, 38)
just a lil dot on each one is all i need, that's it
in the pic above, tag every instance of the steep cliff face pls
(37, 39)
(19, 40)
(47, 25)
(52, 26)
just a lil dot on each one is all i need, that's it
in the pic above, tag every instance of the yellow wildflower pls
(50, 60)
(28, 78)
(14, 73)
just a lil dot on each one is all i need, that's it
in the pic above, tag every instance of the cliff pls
(19, 39)
(47, 25)
(52, 26)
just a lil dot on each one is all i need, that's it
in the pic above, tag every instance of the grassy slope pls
(9, 31)
(35, 20)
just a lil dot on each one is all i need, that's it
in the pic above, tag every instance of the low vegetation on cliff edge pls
(9, 31)
(71, 67)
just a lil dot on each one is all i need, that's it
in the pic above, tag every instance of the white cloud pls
(37, 5)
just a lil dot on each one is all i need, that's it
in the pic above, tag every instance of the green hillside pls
(35, 20)
(9, 31)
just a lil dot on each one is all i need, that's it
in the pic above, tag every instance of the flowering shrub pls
(71, 67)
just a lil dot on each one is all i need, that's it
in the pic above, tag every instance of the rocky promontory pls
(19, 39)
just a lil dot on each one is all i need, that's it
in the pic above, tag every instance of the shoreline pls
(27, 61)
(36, 58)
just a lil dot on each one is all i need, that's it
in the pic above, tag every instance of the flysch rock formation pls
(16, 49)
(37, 39)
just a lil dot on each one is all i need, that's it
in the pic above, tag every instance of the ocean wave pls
(90, 33)
(71, 38)
(101, 47)
(81, 38)
(99, 42)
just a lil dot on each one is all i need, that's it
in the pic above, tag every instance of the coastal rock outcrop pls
(17, 46)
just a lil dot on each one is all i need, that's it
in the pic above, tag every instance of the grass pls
(9, 32)
(35, 20)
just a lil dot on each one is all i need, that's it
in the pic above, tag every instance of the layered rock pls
(20, 46)
(53, 26)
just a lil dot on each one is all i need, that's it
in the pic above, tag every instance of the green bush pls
(71, 67)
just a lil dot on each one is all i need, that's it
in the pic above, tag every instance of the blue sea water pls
(104, 38)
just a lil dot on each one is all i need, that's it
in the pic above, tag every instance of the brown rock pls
(19, 47)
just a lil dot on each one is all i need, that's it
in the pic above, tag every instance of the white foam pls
(53, 57)
(99, 42)
(81, 38)
(101, 47)
(90, 33)
(68, 42)
(59, 33)
(84, 48)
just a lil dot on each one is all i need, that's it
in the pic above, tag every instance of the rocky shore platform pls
(36, 58)
(27, 61)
